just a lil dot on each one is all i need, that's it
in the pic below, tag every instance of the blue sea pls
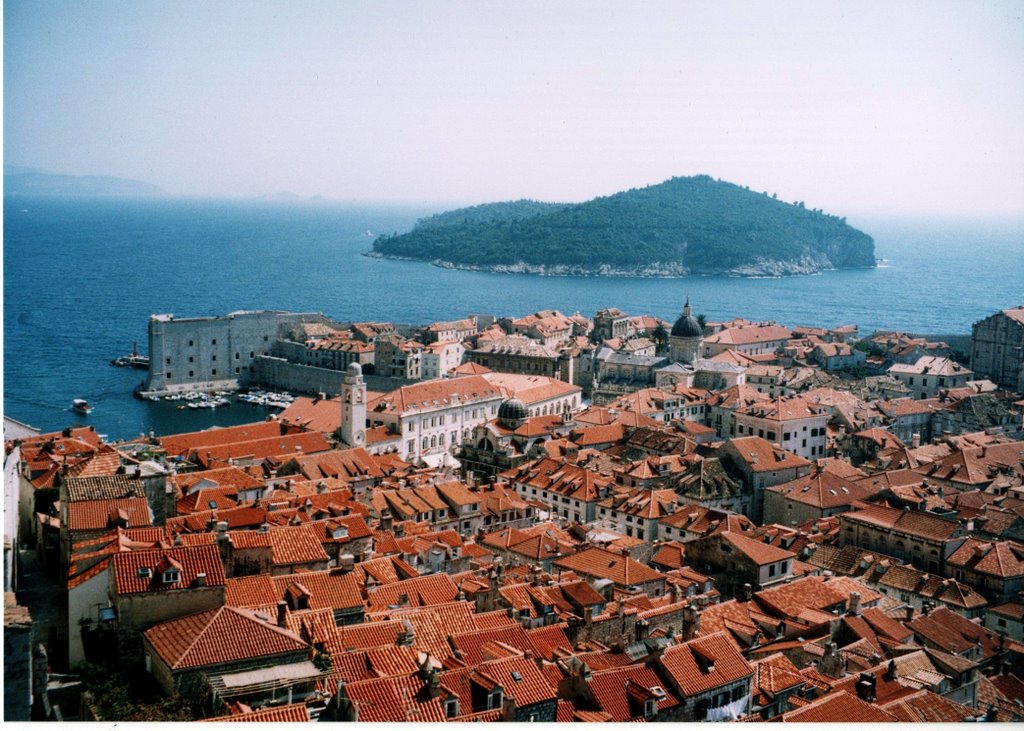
(82, 277)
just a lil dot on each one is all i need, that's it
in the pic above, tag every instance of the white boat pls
(81, 406)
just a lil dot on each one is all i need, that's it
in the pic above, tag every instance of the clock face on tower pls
(358, 437)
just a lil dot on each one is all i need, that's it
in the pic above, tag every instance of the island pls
(683, 226)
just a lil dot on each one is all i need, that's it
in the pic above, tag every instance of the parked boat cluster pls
(267, 398)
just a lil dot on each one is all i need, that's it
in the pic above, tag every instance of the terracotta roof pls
(294, 713)
(347, 465)
(91, 515)
(435, 394)
(748, 335)
(319, 415)
(179, 444)
(401, 698)
(953, 633)
(775, 674)
(598, 563)
(812, 592)
(1003, 559)
(325, 589)
(760, 455)
(420, 591)
(190, 561)
(927, 707)
(285, 444)
(520, 679)
(295, 545)
(221, 477)
(613, 689)
(705, 663)
(825, 490)
(840, 706)
(910, 522)
(219, 636)
(757, 551)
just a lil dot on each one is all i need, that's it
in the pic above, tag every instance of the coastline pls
(759, 269)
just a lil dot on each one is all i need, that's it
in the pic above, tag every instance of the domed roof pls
(354, 369)
(686, 326)
(512, 410)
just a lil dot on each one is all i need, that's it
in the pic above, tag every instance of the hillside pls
(694, 225)
(27, 181)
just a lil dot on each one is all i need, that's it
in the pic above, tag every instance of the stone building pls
(686, 337)
(997, 348)
(213, 353)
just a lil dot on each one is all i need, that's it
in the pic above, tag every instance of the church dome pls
(354, 369)
(512, 411)
(687, 327)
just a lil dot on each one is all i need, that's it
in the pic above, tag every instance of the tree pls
(660, 336)
(702, 320)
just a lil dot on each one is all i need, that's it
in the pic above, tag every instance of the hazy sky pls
(852, 106)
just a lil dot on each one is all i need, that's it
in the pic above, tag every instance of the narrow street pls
(46, 600)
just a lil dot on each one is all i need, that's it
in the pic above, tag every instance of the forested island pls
(690, 225)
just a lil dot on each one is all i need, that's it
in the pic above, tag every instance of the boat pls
(81, 406)
(134, 360)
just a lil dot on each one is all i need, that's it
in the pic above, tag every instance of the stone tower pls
(353, 406)
(686, 338)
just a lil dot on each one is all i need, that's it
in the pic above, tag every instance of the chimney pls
(282, 610)
(746, 593)
(200, 579)
(588, 616)
(908, 613)
(854, 608)
(866, 687)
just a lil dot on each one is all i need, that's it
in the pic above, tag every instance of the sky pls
(852, 107)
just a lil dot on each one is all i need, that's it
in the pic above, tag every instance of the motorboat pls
(81, 406)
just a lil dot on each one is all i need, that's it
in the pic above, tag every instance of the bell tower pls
(353, 406)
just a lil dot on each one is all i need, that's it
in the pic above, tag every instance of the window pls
(171, 576)
(214, 371)
(237, 356)
(494, 700)
(168, 374)
(451, 707)
(771, 569)
(190, 343)
(191, 359)
(168, 361)
(191, 373)
(213, 357)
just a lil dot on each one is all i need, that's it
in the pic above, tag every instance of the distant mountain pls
(693, 225)
(28, 181)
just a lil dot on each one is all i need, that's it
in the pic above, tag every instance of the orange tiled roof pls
(705, 663)
(325, 589)
(180, 444)
(840, 706)
(612, 690)
(319, 415)
(189, 560)
(295, 545)
(94, 515)
(219, 636)
(622, 570)
(420, 591)
(294, 713)
(1003, 559)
